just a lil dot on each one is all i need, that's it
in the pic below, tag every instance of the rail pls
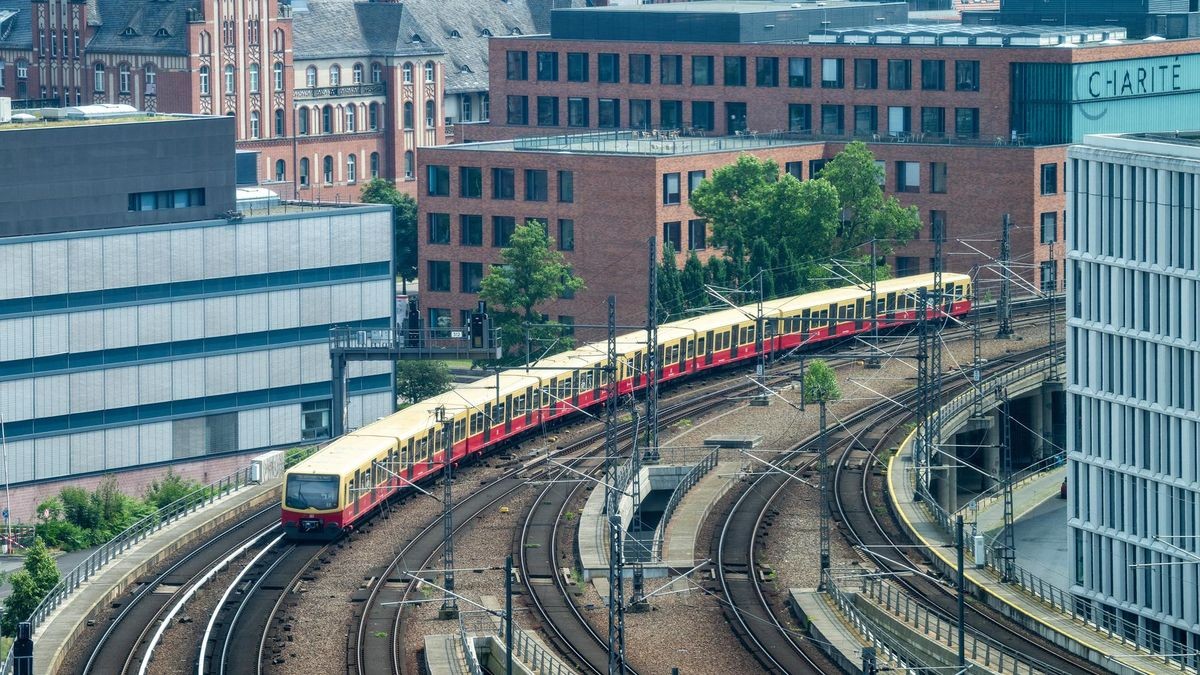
(699, 470)
(125, 540)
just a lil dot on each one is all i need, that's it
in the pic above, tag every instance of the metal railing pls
(984, 499)
(888, 652)
(129, 537)
(309, 93)
(468, 647)
(699, 470)
(531, 653)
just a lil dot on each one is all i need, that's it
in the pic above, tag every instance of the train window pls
(460, 430)
(498, 414)
(691, 349)
(891, 302)
(586, 381)
(519, 405)
(311, 491)
(422, 448)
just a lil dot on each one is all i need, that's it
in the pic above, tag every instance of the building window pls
(866, 120)
(966, 75)
(502, 230)
(376, 73)
(608, 68)
(766, 71)
(566, 234)
(799, 71)
(98, 81)
(351, 169)
(831, 120)
(577, 112)
(407, 117)
(815, 166)
(230, 80)
(166, 199)
(547, 111)
(671, 235)
(471, 227)
(327, 169)
(407, 73)
(280, 170)
(375, 166)
(735, 117)
(933, 75)
(302, 121)
(470, 182)
(504, 184)
(866, 74)
(695, 178)
(1049, 230)
(438, 317)
(277, 76)
(831, 73)
(537, 185)
(966, 122)
(471, 276)
(794, 169)
(937, 225)
(373, 116)
(254, 124)
(702, 70)
(438, 177)
(639, 69)
(704, 115)
(327, 120)
(670, 190)
(123, 77)
(429, 72)
(908, 176)
(799, 117)
(933, 121)
(735, 71)
(670, 114)
(151, 79)
(1050, 179)
(639, 113)
(518, 110)
(899, 120)
(1049, 282)
(439, 228)
(566, 187)
(351, 122)
(304, 172)
(439, 275)
(547, 66)
(608, 113)
(465, 107)
(697, 234)
(937, 177)
(577, 66)
(430, 114)
(899, 74)
(310, 77)
(409, 167)
(357, 76)
(670, 69)
(254, 78)
(204, 79)
(517, 66)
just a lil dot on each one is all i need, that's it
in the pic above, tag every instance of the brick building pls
(971, 122)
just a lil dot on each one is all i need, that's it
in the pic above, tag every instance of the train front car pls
(312, 508)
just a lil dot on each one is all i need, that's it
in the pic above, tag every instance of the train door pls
(832, 315)
(406, 458)
(891, 306)
(487, 422)
(707, 342)
(597, 374)
(859, 314)
(528, 405)
(805, 325)
(508, 414)
(689, 353)
(354, 489)
(733, 341)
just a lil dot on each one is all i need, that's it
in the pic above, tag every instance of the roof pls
(15, 27)
(336, 28)
(663, 144)
(140, 26)
(958, 34)
(732, 6)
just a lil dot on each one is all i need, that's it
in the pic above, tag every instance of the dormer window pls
(416, 38)
(162, 32)
(455, 34)
(516, 31)
(465, 69)
(485, 33)
(129, 32)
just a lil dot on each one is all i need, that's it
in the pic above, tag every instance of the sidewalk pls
(65, 562)
(681, 532)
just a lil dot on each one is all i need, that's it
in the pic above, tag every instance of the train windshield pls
(312, 492)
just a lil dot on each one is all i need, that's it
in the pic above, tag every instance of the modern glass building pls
(129, 338)
(1133, 353)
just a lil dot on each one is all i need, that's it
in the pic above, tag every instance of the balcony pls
(340, 91)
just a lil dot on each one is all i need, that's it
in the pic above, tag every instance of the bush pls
(77, 518)
(170, 489)
(30, 585)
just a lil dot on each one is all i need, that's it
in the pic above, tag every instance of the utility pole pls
(976, 346)
(1051, 295)
(823, 469)
(1009, 552)
(449, 608)
(924, 446)
(1003, 307)
(508, 614)
(616, 601)
(651, 450)
(873, 359)
(934, 361)
(962, 604)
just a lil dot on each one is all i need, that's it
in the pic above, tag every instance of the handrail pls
(698, 471)
(468, 646)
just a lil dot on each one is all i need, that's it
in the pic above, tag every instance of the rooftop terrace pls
(85, 116)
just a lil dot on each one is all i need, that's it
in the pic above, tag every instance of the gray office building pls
(145, 320)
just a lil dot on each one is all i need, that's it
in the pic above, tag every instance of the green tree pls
(533, 273)
(404, 224)
(692, 282)
(820, 383)
(170, 488)
(670, 287)
(716, 271)
(30, 585)
(859, 180)
(760, 262)
(419, 380)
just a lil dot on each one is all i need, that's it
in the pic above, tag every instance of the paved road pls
(1041, 538)
(66, 562)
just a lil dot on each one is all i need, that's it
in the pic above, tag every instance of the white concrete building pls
(1133, 363)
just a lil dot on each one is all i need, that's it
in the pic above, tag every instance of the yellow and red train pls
(328, 493)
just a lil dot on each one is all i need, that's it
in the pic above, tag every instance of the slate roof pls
(336, 28)
(140, 26)
(16, 30)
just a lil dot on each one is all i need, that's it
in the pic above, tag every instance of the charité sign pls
(1108, 81)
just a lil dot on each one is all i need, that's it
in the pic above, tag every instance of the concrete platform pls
(829, 632)
(1012, 600)
(679, 538)
(62, 626)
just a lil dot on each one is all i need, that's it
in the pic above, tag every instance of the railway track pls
(126, 644)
